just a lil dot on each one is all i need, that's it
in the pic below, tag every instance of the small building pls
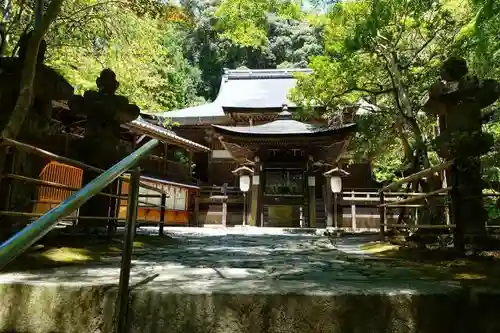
(251, 123)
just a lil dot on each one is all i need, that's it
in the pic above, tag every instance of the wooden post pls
(112, 223)
(353, 212)
(165, 159)
(329, 205)
(312, 203)
(162, 213)
(256, 199)
(196, 214)
(335, 210)
(382, 211)
(190, 163)
(459, 232)
(224, 212)
(446, 198)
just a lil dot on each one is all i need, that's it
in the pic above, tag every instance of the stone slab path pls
(247, 281)
(251, 261)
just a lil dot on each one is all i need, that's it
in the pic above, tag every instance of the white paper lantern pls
(244, 183)
(336, 184)
(311, 180)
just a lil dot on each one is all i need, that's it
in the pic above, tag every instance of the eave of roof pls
(283, 129)
(210, 113)
(164, 135)
(151, 130)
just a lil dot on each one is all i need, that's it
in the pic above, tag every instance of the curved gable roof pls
(242, 89)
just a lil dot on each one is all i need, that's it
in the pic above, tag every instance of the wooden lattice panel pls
(50, 197)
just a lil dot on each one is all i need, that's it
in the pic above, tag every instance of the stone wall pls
(43, 308)
(52, 308)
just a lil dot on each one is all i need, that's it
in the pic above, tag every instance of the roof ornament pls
(284, 114)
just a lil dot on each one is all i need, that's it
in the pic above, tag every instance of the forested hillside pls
(385, 52)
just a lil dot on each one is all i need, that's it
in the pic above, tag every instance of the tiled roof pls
(164, 134)
(243, 89)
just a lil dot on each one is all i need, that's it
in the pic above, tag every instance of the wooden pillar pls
(329, 204)
(311, 182)
(162, 213)
(224, 211)
(256, 198)
(165, 159)
(196, 212)
(190, 163)
(353, 211)
(210, 168)
(339, 210)
(382, 211)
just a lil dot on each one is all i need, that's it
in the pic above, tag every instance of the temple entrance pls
(284, 197)
(285, 157)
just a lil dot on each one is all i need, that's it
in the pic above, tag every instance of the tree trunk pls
(421, 157)
(25, 97)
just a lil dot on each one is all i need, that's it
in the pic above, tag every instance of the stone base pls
(42, 308)
(216, 281)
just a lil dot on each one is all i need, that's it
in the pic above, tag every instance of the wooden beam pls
(428, 194)
(421, 226)
(418, 175)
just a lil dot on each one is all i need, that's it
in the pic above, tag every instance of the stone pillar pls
(457, 99)
(311, 182)
(104, 112)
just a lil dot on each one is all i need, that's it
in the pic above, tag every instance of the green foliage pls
(388, 52)
(289, 43)
(384, 53)
(131, 38)
(246, 22)
(146, 55)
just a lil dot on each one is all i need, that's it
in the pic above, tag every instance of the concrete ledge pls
(55, 308)
(165, 307)
(212, 281)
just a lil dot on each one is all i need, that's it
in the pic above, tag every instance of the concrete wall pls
(75, 309)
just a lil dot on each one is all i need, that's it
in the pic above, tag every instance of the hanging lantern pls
(244, 183)
(336, 184)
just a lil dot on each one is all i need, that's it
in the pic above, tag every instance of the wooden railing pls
(53, 187)
(410, 198)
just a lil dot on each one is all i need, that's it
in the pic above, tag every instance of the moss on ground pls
(65, 250)
(482, 270)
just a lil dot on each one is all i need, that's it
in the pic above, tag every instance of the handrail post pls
(123, 291)
(162, 212)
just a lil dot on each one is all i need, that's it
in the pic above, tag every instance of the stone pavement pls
(248, 280)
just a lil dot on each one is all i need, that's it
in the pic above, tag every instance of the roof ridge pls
(263, 73)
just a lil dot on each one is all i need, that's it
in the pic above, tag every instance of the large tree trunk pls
(25, 97)
(420, 157)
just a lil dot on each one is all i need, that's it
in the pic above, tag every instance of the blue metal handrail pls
(25, 238)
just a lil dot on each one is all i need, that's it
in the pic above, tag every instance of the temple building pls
(251, 123)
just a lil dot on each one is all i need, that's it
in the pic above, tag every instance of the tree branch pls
(369, 91)
(415, 55)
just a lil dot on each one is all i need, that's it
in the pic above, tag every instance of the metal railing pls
(21, 241)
